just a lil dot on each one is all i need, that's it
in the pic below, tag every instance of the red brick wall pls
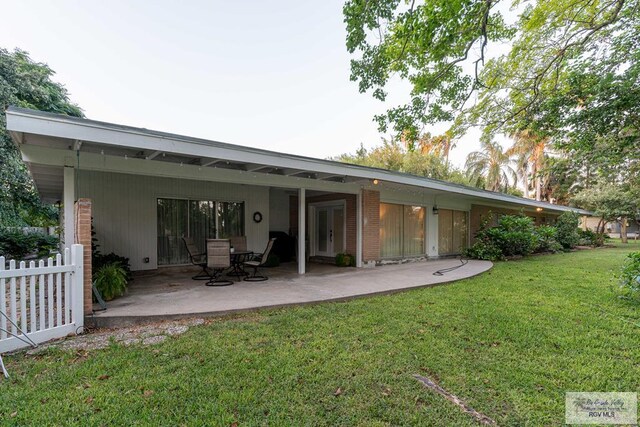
(83, 237)
(370, 225)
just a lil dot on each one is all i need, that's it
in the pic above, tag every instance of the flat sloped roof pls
(27, 121)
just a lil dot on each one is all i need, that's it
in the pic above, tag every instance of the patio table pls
(237, 259)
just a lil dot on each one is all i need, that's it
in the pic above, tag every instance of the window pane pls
(202, 223)
(390, 230)
(230, 220)
(338, 230)
(459, 231)
(323, 228)
(172, 226)
(413, 230)
(445, 232)
(183, 218)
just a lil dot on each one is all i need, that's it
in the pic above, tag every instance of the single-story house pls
(148, 189)
(612, 229)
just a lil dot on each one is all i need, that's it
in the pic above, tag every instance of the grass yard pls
(509, 342)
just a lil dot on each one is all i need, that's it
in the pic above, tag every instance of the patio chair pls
(218, 260)
(239, 243)
(197, 258)
(257, 262)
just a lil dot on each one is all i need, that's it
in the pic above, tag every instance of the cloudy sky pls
(268, 74)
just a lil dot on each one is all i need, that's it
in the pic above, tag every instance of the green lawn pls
(510, 342)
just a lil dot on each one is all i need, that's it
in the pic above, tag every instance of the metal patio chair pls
(239, 243)
(197, 258)
(257, 262)
(218, 260)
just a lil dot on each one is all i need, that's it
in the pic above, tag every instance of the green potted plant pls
(345, 260)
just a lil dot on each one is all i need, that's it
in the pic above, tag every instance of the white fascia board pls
(114, 135)
(105, 163)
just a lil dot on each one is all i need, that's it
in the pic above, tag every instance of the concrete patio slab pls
(173, 295)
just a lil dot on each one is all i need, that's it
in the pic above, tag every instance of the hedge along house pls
(148, 189)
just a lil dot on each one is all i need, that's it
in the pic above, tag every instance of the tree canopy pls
(395, 156)
(565, 70)
(25, 83)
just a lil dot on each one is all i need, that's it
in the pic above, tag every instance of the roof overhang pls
(49, 142)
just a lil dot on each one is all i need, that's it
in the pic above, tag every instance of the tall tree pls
(492, 165)
(438, 145)
(558, 48)
(397, 156)
(530, 149)
(611, 202)
(25, 83)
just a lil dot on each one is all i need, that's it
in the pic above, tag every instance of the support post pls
(359, 229)
(432, 232)
(302, 256)
(83, 237)
(68, 200)
(77, 288)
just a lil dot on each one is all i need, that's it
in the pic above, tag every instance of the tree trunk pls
(623, 230)
(525, 181)
(538, 189)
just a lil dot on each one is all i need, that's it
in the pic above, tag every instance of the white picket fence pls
(44, 300)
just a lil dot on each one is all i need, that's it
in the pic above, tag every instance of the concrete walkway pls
(175, 295)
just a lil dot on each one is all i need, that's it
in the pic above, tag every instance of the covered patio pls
(171, 294)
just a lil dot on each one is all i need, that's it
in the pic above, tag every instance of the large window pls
(452, 231)
(197, 219)
(401, 230)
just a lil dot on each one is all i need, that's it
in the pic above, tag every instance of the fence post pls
(77, 292)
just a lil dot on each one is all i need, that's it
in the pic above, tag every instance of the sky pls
(266, 74)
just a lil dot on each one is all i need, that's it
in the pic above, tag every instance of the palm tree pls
(522, 170)
(439, 145)
(491, 163)
(531, 149)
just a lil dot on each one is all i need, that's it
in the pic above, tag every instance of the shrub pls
(514, 235)
(567, 226)
(111, 280)
(15, 244)
(484, 249)
(98, 260)
(630, 276)
(345, 260)
(590, 238)
(547, 239)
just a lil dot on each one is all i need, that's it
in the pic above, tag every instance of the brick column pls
(370, 225)
(83, 237)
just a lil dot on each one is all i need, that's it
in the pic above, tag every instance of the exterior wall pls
(351, 220)
(279, 210)
(370, 225)
(481, 212)
(125, 210)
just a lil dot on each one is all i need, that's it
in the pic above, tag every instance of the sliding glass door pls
(196, 219)
(401, 230)
(452, 231)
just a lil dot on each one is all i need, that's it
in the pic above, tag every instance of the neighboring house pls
(612, 228)
(149, 188)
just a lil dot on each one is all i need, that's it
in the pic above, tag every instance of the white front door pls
(330, 230)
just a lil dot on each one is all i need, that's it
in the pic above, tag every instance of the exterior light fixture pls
(538, 209)
(376, 182)
(435, 210)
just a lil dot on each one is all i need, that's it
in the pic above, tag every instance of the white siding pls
(125, 210)
(279, 209)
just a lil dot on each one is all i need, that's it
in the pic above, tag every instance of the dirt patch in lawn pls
(148, 334)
